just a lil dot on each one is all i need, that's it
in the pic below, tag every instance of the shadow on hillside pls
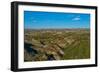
(29, 49)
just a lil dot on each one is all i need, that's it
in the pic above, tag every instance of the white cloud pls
(76, 18)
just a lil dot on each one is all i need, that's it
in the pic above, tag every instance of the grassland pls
(56, 44)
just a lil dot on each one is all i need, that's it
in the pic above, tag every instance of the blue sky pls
(54, 20)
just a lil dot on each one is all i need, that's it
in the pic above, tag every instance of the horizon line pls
(55, 28)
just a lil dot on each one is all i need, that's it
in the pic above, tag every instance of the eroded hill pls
(63, 44)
